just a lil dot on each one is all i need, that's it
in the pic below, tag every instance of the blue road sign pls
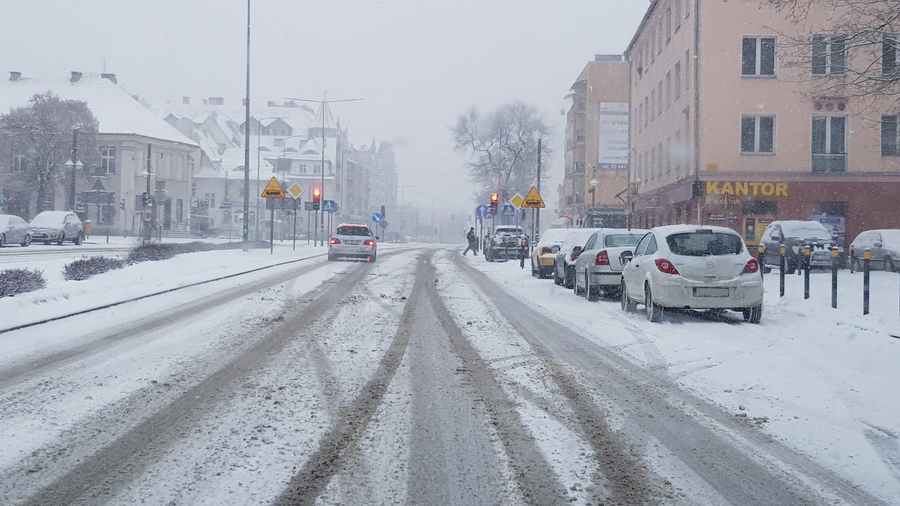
(482, 212)
(329, 206)
(509, 210)
(377, 218)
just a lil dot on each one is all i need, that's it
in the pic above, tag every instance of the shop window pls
(760, 207)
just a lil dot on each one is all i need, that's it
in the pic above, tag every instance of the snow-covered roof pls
(115, 109)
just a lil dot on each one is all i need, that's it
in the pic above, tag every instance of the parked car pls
(506, 241)
(692, 267)
(543, 255)
(564, 267)
(352, 241)
(57, 226)
(14, 230)
(796, 235)
(598, 268)
(884, 249)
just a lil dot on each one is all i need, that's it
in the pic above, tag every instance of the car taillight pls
(574, 255)
(334, 240)
(602, 258)
(370, 242)
(546, 251)
(752, 267)
(665, 266)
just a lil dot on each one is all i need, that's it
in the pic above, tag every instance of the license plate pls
(353, 242)
(710, 292)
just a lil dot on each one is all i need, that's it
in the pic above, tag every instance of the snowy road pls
(419, 379)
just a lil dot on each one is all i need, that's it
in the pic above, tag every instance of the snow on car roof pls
(674, 229)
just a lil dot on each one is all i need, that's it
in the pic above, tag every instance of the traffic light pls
(317, 199)
(146, 199)
(494, 201)
(122, 204)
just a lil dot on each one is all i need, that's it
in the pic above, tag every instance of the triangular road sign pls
(533, 199)
(98, 186)
(273, 190)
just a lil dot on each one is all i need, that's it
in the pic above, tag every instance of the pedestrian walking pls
(473, 242)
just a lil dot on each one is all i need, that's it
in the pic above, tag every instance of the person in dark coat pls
(473, 242)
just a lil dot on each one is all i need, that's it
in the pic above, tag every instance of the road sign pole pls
(295, 226)
(272, 231)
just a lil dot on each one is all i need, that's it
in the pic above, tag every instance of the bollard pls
(781, 271)
(867, 257)
(806, 262)
(852, 257)
(761, 258)
(834, 273)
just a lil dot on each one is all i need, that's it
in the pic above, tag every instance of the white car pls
(692, 267)
(57, 226)
(598, 268)
(351, 240)
(14, 230)
(564, 268)
(543, 256)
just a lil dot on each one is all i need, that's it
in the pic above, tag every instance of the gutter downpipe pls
(697, 107)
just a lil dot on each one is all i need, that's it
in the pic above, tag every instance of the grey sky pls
(416, 63)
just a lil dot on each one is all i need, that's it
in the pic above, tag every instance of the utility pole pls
(245, 235)
(74, 167)
(537, 216)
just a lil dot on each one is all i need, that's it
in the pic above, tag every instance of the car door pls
(632, 275)
(581, 262)
(20, 229)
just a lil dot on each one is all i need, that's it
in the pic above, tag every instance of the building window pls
(659, 160)
(829, 141)
(677, 15)
(890, 136)
(660, 40)
(179, 210)
(19, 160)
(829, 55)
(210, 200)
(668, 24)
(890, 55)
(668, 88)
(653, 45)
(677, 80)
(687, 69)
(659, 101)
(757, 134)
(652, 104)
(646, 111)
(758, 56)
(668, 155)
(107, 160)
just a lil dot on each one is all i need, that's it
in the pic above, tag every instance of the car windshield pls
(47, 219)
(697, 244)
(891, 237)
(363, 231)
(805, 230)
(615, 240)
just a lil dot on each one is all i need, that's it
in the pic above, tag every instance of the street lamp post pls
(73, 168)
(593, 192)
(416, 230)
(323, 103)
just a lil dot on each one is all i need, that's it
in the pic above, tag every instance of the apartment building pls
(734, 122)
(596, 155)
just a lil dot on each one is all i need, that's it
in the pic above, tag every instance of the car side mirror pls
(377, 238)
(626, 256)
(877, 244)
(776, 238)
(533, 244)
(576, 249)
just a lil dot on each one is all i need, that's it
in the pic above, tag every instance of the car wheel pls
(330, 257)
(556, 279)
(47, 243)
(654, 310)
(26, 241)
(62, 237)
(569, 280)
(888, 264)
(372, 258)
(790, 266)
(535, 273)
(753, 314)
(575, 285)
(2, 240)
(78, 239)
(590, 293)
(628, 305)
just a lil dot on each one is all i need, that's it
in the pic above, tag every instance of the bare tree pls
(39, 140)
(501, 146)
(863, 42)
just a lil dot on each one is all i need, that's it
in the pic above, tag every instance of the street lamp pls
(73, 168)
(323, 103)
(593, 191)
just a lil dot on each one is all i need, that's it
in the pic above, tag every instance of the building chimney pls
(14, 76)
(111, 77)
(186, 100)
(76, 76)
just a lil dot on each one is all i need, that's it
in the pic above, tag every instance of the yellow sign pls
(295, 190)
(273, 190)
(517, 201)
(748, 188)
(533, 199)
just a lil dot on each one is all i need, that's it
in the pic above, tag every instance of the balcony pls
(822, 163)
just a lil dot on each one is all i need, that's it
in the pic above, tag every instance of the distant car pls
(692, 267)
(506, 241)
(352, 241)
(543, 256)
(598, 268)
(564, 267)
(57, 226)
(884, 249)
(796, 235)
(14, 230)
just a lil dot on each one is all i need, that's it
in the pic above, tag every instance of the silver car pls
(884, 249)
(57, 226)
(352, 241)
(564, 268)
(14, 230)
(598, 268)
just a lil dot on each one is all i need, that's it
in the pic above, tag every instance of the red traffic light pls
(317, 193)
(495, 197)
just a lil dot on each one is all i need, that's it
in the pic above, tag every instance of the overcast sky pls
(416, 64)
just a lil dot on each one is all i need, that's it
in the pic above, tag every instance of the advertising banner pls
(613, 136)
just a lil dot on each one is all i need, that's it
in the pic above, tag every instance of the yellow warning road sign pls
(533, 200)
(273, 190)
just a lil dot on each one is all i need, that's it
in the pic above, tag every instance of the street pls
(425, 378)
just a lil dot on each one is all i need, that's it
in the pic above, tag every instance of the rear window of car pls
(611, 241)
(806, 230)
(353, 231)
(698, 244)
